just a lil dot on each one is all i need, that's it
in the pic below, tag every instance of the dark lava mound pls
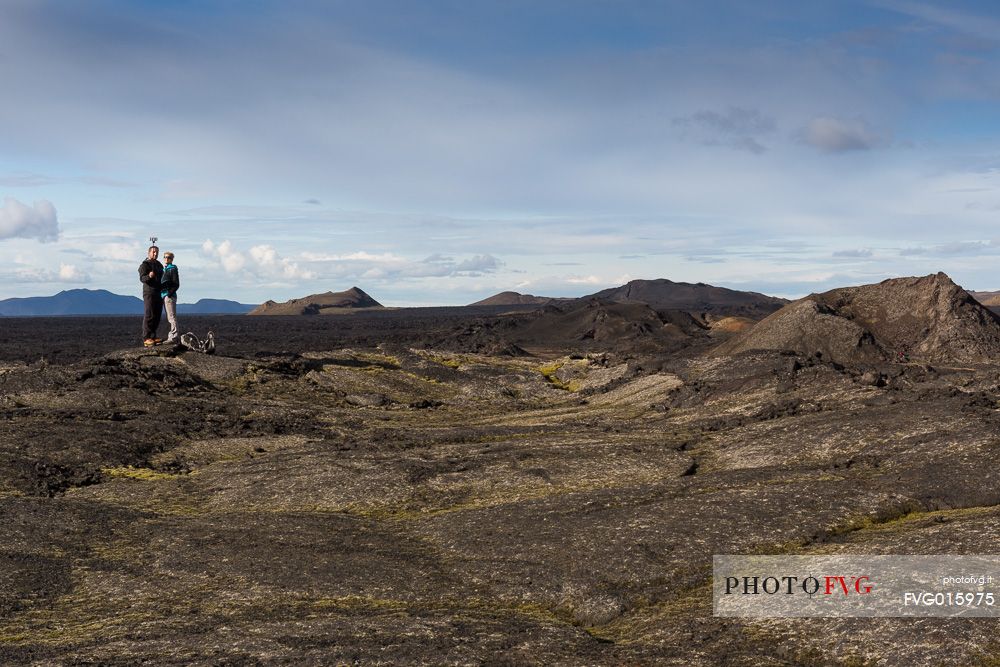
(516, 299)
(929, 318)
(586, 326)
(697, 298)
(622, 327)
(319, 304)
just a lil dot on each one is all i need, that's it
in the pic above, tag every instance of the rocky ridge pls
(929, 318)
(697, 298)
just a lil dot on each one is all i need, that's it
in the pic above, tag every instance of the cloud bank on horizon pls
(440, 152)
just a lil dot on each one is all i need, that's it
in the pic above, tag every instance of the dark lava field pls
(71, 339)
(446, 486)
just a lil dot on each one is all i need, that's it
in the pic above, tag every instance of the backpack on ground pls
(195, 344)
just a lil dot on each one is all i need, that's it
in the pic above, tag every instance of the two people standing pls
(159, 289)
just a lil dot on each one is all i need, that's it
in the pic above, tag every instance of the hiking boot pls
(157, 341)
(149, 342)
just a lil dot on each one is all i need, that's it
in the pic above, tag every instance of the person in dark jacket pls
(150, 275)
(169, 285)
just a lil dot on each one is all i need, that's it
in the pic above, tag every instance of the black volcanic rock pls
(697, 298)
(582, 326)
(318, 304)
(929, 318)
(379, 504)
(599, 324)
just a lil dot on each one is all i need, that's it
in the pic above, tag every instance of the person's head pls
(168, 257)
(152, 252)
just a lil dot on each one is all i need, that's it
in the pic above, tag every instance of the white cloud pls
(477, 264)
(264, 255)
(857, 253)
(363, 264)
(268, 261)
(32, 180)
(32, 275)
(18, 220)
(836, 135)
(265, 263)
(955, 248)
(360, 256)
(119, 251)
(375, 273)
(69, 273)
(979, 25)
(231, 260)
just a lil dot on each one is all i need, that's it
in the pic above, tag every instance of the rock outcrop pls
(929, 318)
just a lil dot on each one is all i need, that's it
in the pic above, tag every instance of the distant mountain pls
(516, 299)
(698, 297)
(72, 302)
(326, 303)
(988, 299)
(215, 307)
(103, 302)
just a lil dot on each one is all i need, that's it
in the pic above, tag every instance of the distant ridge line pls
(102, 302)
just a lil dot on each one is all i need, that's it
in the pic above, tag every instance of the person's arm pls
(144, 273)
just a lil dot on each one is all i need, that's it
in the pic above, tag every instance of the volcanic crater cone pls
(319, 304)
(928, 318)
(516, 299)
(695, 298)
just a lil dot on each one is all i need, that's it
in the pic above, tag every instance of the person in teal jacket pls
(169, 284)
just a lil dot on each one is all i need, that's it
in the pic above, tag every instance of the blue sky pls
(438, 152)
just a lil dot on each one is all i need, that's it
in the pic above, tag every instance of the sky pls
(439, 152)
